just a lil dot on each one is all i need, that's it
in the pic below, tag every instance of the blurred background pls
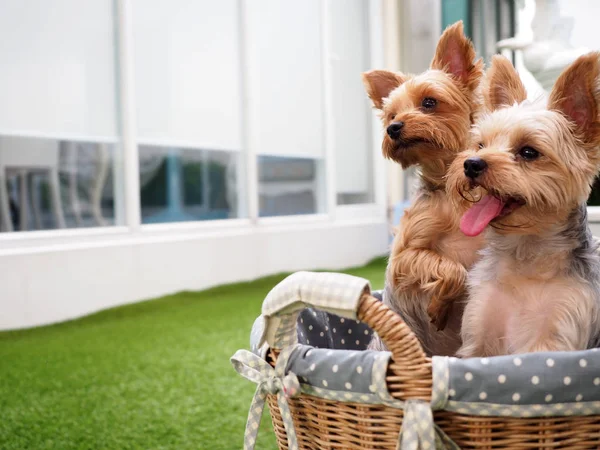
(152, 146)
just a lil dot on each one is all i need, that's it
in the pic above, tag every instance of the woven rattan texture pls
(326, 424)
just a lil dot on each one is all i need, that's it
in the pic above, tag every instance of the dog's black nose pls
(474, 167)
(395, 129)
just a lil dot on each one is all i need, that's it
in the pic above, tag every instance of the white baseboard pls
(48, 284)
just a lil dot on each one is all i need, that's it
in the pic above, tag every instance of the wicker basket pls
(321, 423)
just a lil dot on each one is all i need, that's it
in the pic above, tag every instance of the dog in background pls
(537, 285)
(427, 118)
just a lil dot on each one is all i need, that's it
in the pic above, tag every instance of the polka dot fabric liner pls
(530, 385)
(336, 370)
(324, 330)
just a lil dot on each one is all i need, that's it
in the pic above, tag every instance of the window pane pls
(188, 93)
(60, 157)
(289, 186)
(348, 54)
(50, 183)
(187, 184)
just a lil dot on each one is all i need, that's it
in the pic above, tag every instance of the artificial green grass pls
(152, 375)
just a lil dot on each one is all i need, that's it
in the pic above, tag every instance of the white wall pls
(47, 283)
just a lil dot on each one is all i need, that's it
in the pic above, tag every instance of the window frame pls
(129, 184)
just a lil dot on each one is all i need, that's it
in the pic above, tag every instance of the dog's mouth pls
(403, 143)
(491, 207)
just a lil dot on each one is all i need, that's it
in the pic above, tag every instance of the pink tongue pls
(480, 215)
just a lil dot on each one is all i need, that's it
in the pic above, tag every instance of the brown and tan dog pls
(427, 118)
(536, 286)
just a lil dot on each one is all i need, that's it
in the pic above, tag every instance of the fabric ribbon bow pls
(270, 381)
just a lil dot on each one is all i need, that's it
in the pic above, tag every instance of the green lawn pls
(153, 375)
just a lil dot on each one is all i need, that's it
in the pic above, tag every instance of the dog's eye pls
(429, 103)
(529, 154)
(480, 145)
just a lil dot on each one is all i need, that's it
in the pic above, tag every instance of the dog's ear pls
(576, 94)
(379, 84)
(502, 85)
(455, 55)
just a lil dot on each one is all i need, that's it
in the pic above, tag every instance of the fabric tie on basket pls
(270, 381)
(419, 431)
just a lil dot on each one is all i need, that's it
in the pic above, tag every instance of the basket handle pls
(398, 337)
(345, 295)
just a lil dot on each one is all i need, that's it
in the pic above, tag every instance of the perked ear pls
(379, 84)
(576, 94)
(455, 55)
(502, 85)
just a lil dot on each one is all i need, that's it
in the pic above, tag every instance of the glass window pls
(287, 106)
(60, 156)
(188, 94)
(188, 184)
(289, 186)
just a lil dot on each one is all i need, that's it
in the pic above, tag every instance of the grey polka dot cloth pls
(535, 384)
(323, 330)
(340, 370)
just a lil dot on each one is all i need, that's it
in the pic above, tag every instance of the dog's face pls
(427, 117)
(535, 163)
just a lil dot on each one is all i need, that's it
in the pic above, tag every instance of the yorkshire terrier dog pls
(427, 119)
(537, 284)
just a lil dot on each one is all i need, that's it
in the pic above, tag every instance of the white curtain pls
(58, 69)
(187, 72)
(286, 77)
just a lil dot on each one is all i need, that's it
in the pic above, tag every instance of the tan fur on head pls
(501, 85)
(566, 134)
(455, 55)
(380, 83)
(431, 137)
(576, 95)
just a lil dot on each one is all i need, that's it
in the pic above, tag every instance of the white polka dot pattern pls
(317, 330)
(530, 385)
